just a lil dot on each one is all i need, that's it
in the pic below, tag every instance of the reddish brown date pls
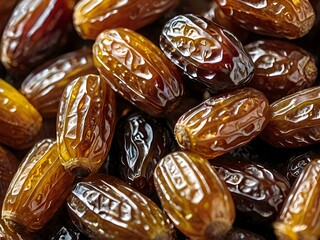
(279, 18)
(5, 12)
(281, 68)
(138, 70)
(223, 122)
(206, 52)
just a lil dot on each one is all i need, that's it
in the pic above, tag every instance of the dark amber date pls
(299, 217)
(91, 17)
(5, 12)
(206, 52)
(279, 18)
(258, 193)
(192, 194)
(20, 122)
(7, 234)
(104, 207)
(44, 86)
(85, 124)
(34, 32)
(138, 70)
(37, 190)
(295, 120)
(223, 122)
(281, 68)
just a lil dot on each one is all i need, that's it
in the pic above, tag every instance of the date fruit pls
(5, 12)
(138, 70)
(104, 207)
(223, 123)
(192, 194)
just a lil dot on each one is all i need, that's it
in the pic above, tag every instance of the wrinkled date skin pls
(206, 52)
(223, 123)
(104, 207)
(7, 234)
(5, 12)
(142, 142)
(34, 32)
(299, 217)
(295, 120)
(44, 86)
(193, 196)
(279, 18)
(138, 70)
(37, 190)
(85, 124)
(91, 17)
(281, 68)
(258, 193)
(20, 122)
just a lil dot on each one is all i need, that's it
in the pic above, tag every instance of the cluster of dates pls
(206, 131)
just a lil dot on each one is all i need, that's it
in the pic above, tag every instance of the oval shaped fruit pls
(295, 120)
(85, 124)
(206, 52)
(281, 68)
(20, 122)
(192, 194)
(104, 207)
(223, 122)
(138, 70)
(279, 18)
(91, 17)
(44, 86)
(37, 190)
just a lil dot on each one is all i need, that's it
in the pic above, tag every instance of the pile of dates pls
(162, 120)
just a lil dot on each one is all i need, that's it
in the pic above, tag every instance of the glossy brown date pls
(7, 234)
(241, 234)
(223, 122)
(91, 17)
(44, 86)
(138, 70)
(5, 12)
(279, 18)
(193, 196)
(281, 68)
(206, 52)
(104, 207)
(85, 124)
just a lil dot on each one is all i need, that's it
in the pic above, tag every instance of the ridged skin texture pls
(223, 123)
(104, 207)
(91, 17)
(138, 70)
(294, 120)
(7, 234)
(35, 30)
(206, 52)
(5, 12)
(299, 218)
(281, 68)
(192, 194)
(85, 124)
(279, 18)
(44, 86)
(37, 190)
(20, 122)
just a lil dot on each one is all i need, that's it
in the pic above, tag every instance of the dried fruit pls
(5, 12)
(241, 234)
(193, 196)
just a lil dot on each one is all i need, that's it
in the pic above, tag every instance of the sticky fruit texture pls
(5, 12)
(37, 190)
(44, 86)
(294, 120)
(193, 196)
(85, 124)
(279, 18)
(104, 207)
(7, 234)
(299, 216)
(91, 17)
(138, 70)
(223, 123)
(142, 142)
(206, 52)
(20, 122)
(281, 68)
(36, 30)
(258, 193)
